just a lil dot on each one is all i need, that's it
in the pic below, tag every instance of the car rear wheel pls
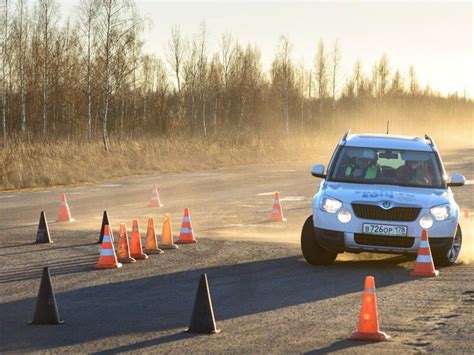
(449, 258)
(312, 251)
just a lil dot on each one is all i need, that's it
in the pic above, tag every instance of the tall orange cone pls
(155, 198)
(123, 254)
(424, 261)
(186, 234)
(107, 257)
(368, 320)
(167, 235)
(151, 245)
(64, 214)
(277, 212)
(136, 250)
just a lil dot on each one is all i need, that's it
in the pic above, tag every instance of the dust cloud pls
(467, 248)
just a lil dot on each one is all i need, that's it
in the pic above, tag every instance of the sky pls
(435, 37)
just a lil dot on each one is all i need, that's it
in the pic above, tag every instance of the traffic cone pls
(186, 234)
(424, 261)
(136, 250)
(155, 197)
(107, 257)
(465, 213)
(368, 320)
(123, 254)
(64, 214)
(202, 319)
(46, 311)
(277, 212)
(151, 245)
(42, 235)
(167, 235)
(105, 221)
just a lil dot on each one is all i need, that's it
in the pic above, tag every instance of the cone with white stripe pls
(186, 235)
(155, 197)
(424, 261)
(277, 211)
(107, 257)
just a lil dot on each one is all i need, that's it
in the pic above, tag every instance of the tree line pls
(88, 77)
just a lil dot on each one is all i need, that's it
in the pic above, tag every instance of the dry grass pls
(37, 164)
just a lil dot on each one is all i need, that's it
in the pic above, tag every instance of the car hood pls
(386, 194)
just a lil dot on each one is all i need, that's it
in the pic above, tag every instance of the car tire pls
(312, 251)
(449, 258)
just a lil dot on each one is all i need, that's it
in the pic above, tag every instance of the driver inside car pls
(414, 171)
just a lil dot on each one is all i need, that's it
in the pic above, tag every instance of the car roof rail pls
(344, 137)
(428, 138)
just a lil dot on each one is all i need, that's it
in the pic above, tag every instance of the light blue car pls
(378, 194)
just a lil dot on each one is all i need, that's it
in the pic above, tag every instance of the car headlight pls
(426, 221)
(330, 205)
(344, 215)
(441, 212)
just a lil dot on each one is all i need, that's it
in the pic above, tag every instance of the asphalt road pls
(267, 299)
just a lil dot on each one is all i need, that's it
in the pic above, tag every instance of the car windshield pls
(390, 167)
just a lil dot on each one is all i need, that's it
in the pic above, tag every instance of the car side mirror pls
(318, 171)
(457, 180)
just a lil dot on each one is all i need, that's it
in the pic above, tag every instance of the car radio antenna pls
(388, 124)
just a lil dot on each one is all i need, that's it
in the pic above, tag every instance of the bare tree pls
(175, 54)
(5, 65)
(413, 81)
(21, 30)
(321, 72)
(88, 17)
(114, 25)
(335, 63)
(47, 21)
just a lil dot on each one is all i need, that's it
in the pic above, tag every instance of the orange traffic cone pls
(186, 234)
(64, 214)
(155, 197)
(167, 235)
(424, 261)
(136, 250)
(277, 212)
(107, 258)
(151, 246)
(465, 213)
(123, 254)
(368, 320)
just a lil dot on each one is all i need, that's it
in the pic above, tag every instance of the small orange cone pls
(151, 246)
(186, 235)
(167, 235)
(424, 261)
(123, 254)
(136, 250)
(64, 214)
(465, 213)
(277, 212)
(155, 198)
(107, 257)
(368, 320)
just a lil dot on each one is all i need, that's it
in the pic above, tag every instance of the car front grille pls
(402, 214)
(384, 241)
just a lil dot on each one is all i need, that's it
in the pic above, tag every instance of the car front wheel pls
(449, 258)
(312, 251)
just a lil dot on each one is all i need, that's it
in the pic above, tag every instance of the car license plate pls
(385, 229)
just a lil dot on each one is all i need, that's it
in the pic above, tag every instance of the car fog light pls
(344, 215)
(426, 221)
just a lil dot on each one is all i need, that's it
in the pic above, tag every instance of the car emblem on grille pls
(386, 205)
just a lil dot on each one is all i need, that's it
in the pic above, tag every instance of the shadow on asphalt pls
(165, 302)
(339, 345)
